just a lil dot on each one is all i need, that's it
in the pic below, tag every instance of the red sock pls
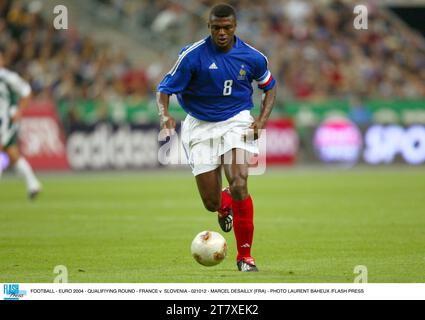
(226, 202)
(243, 224)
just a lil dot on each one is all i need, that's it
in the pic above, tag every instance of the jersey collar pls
(236, 45)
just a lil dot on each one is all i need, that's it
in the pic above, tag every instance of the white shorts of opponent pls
(205, 142)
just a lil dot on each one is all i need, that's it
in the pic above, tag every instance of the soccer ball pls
(209, 248)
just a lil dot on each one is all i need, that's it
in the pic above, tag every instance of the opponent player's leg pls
(236, 172)
(214, 198)
(24, 169)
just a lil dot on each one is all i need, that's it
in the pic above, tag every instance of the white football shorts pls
(205, 142)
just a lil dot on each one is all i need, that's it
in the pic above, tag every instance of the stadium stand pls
(315, 53)
(313, 47)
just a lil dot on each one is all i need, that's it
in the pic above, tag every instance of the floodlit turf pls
(312, 225)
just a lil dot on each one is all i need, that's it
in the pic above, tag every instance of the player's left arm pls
(267, 103)
(267, 83)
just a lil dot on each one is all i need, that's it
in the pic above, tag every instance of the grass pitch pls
(311, 225)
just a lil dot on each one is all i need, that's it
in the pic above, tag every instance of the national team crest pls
(242, 73)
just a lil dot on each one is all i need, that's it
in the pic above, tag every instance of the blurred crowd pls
(65, 65)
(317, 53)
(314, 51)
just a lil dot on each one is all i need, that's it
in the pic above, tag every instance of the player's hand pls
(168, 126)
(256, 126)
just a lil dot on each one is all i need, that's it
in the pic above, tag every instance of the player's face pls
(223, 31)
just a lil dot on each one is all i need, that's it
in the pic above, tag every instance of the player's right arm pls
(167, 122)
(174, 82)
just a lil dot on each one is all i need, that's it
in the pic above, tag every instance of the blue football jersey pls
(214, 86)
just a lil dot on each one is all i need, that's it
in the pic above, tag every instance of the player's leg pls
(200, 143)
(24, 169)
(214, 198)
(236, 172)
(209, 186)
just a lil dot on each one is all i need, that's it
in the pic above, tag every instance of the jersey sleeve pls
(263, 76)
(178, 78)
(18, 85)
